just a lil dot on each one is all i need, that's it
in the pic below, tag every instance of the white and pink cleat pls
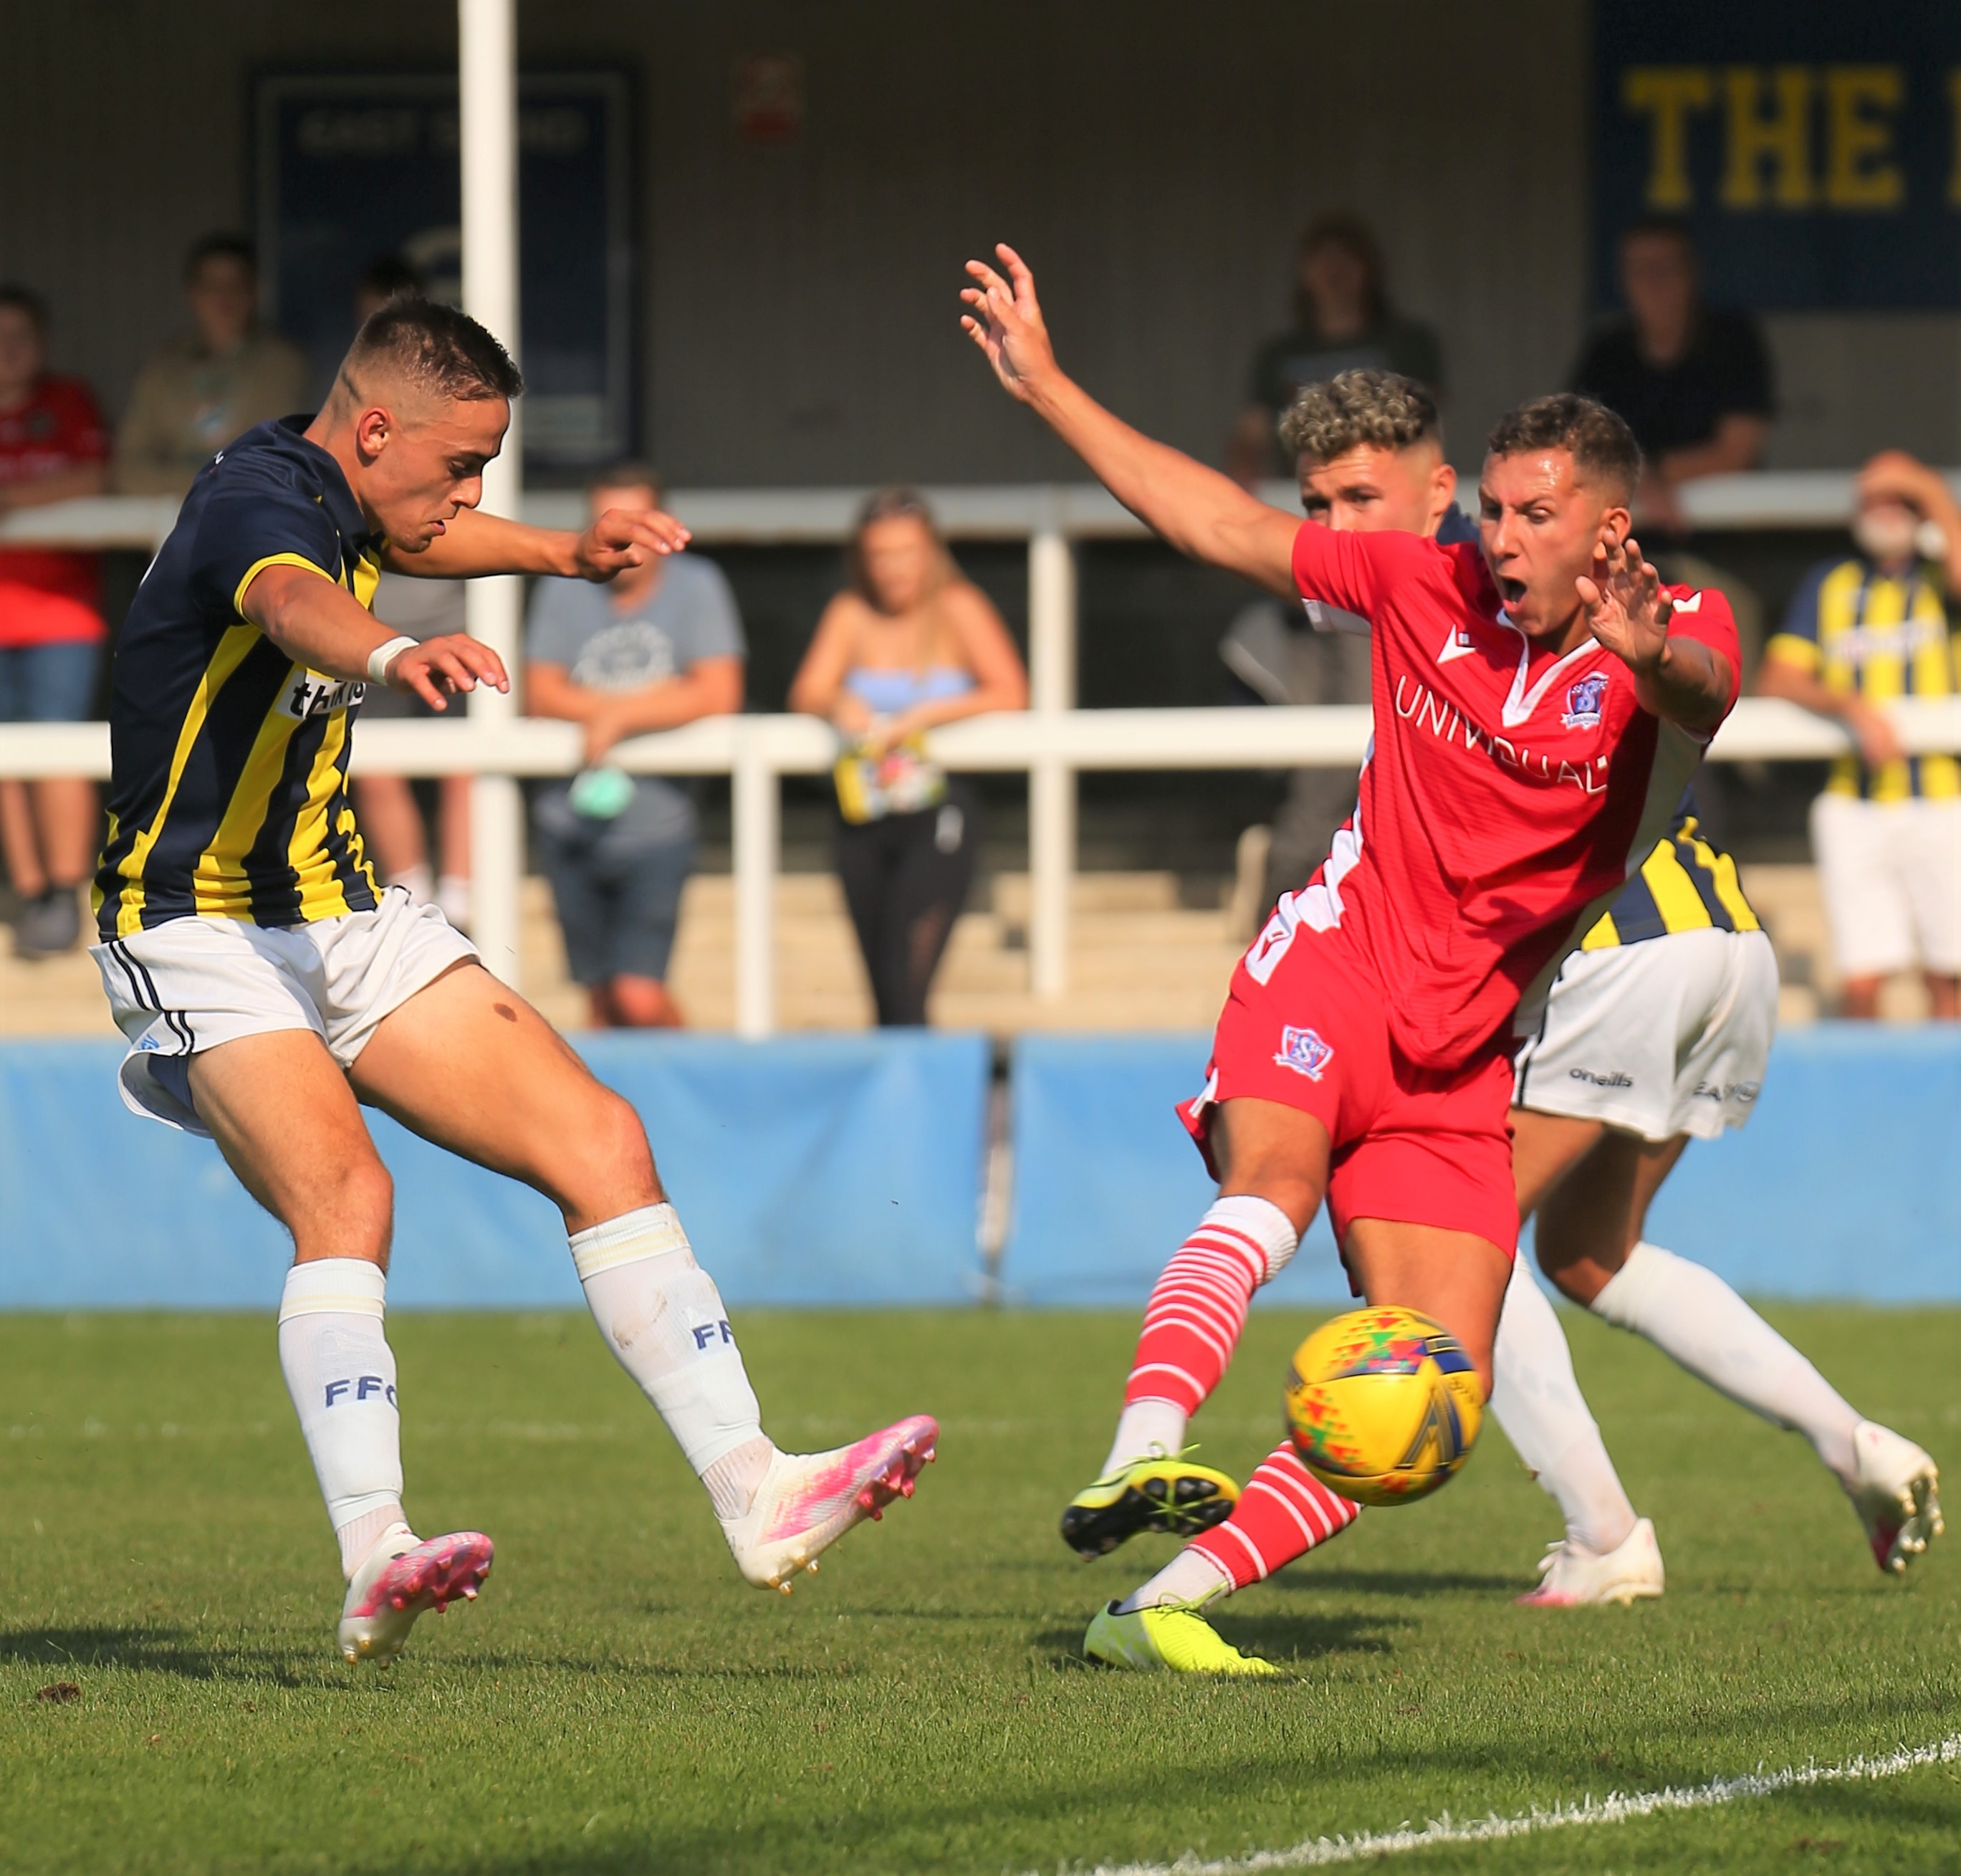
(1571, 1576)
(1896, 1492)
(403, 1576)
(807, 1501)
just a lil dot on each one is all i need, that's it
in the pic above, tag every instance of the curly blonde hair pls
(1356, 409)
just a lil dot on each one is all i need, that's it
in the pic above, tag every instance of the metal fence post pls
(1051, 780)
(487, 89)
(755, 811)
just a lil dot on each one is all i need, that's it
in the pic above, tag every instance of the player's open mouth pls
(1511, 591)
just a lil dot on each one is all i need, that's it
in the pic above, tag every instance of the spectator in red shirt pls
(52, 448)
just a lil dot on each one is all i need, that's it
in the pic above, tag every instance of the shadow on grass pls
(980, 1828)
(1281, 1638)
(159, 1651)
(1400, 1582)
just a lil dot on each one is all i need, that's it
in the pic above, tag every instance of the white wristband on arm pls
(382, 656)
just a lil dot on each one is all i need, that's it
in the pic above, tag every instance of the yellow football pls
(1383, 1405)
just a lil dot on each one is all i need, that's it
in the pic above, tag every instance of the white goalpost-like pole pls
(487, 95)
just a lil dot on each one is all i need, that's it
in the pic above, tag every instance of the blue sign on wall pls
(352, 166)
(1814, 148)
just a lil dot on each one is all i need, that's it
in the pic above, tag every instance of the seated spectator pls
(908, 646)
(659, 646)
(391, 818)
(1865, 628)
(215, 382)
(52, 448)
(1693, 383)
(1342, 321)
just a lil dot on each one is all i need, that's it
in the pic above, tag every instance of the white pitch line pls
(1616, 1808)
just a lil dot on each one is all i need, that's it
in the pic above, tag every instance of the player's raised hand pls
(623, 537)
(438, 668)
(1006, 322)
(1626, 609)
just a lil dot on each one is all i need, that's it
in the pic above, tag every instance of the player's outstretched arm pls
(1679, 679)
(1199, 512)
(473, 544)
(320, 625)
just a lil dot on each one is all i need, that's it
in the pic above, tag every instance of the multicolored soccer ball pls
(1383, 1405)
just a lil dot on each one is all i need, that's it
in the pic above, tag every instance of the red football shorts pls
(1419, 1145)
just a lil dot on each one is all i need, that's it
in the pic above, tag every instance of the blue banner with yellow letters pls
(1814, 148)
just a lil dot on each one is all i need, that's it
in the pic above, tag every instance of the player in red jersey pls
(1538, 706)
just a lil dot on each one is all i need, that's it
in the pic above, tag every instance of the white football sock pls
(1142, 1425)
(1691, 1313)
(452, 898)
(417, 881)
(1537, 1399)
(340, 1372)
(1191, 1578)
(662, 1316)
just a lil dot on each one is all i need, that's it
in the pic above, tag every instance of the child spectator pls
(1864, 629)
(52, 448)
(659, 646)
(215, 382)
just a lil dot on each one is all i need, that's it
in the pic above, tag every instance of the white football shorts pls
(1669, 1036)
(1890, 875)
(192, 984)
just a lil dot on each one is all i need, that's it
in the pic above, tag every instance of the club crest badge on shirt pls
(1583, 701)
(1304, 1052)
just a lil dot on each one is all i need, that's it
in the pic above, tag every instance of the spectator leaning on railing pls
(52, 449)
(1693, 382)
(1864, 629)
(908, 646)
(197, 392)
(391, 818)
(660, 646)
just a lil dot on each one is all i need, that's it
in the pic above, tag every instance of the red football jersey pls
(57, 428)
(1505, 790)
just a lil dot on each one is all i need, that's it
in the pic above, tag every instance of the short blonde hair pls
(1352, 410)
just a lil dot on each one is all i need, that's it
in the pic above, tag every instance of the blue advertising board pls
(350, 167)
(1813, 148)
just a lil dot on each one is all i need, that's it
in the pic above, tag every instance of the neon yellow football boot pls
(1163, 1492)
(1172, 1636)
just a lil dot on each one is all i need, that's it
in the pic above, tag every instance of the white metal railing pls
(1051, 746)
(1051, 743)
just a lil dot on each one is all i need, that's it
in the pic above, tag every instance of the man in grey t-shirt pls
(659, 646)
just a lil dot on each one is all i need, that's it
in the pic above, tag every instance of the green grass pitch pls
(620, 1701)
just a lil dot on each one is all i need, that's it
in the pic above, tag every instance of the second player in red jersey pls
(1538, 703)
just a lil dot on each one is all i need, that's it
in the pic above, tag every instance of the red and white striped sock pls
(1283, 1513)
(1192, 1323)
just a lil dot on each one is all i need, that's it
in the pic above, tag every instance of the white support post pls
(487, 94)
(1051, 780)
(755, 804)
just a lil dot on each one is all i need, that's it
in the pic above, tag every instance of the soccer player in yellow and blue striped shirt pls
(268, 989)
(1866, 630)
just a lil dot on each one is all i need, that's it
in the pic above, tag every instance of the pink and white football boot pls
(403, 1576)
(1896, 1492)
(807, 1501)
(1570, 1576)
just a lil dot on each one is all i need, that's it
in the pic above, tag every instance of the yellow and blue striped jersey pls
(229, 774)
(1883, 636)
(1686, 884)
